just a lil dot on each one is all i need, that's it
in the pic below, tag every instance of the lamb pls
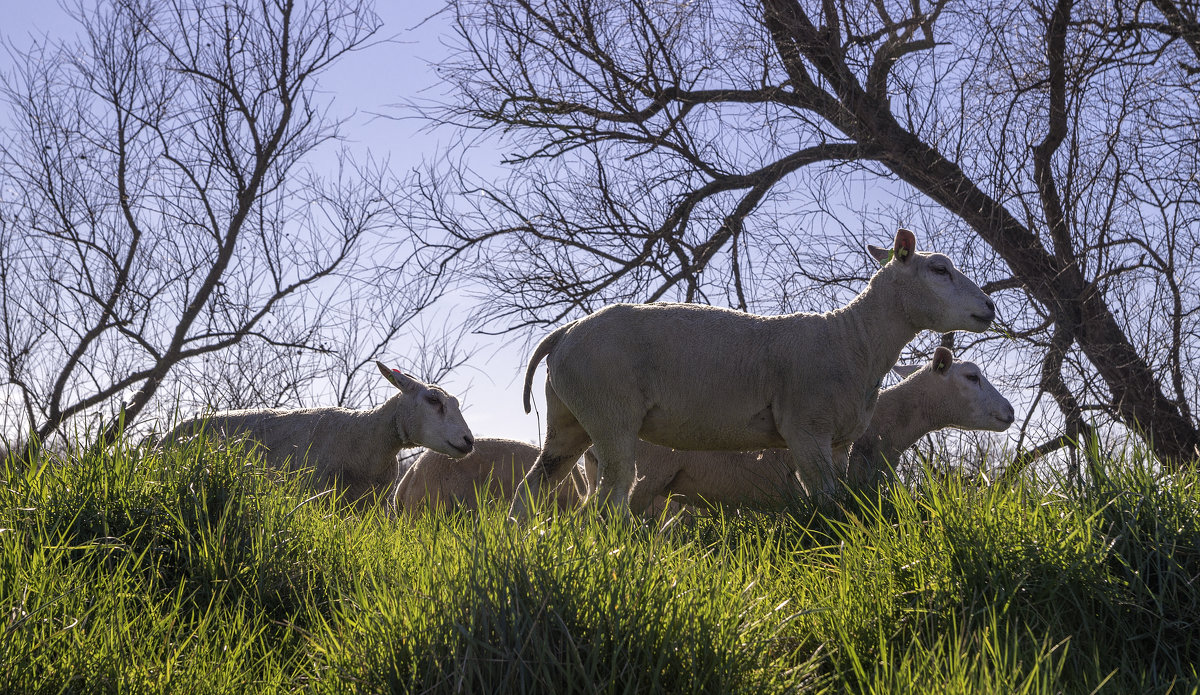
(493, 470)
(353, 451)
(942, 393)
(705, 378)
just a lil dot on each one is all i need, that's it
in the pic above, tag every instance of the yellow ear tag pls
(941, 365)
(902, 252)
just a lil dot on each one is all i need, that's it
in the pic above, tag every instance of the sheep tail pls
(548, 343)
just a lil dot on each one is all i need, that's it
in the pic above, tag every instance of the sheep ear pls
(398, 378)
(905, 245)
(881, 255)
(942, 359)
(905, 370)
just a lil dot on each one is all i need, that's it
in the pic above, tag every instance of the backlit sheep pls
(704, 378)
(353, 451)
(493, 470)
(942, 393)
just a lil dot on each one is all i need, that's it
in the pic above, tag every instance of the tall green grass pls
(193, 570)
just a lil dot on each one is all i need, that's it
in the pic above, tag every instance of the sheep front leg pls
(813, 458)
(859, 473)
(866, 477)
(653, 479)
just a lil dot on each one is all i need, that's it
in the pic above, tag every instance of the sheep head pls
(931, 292)
(961, 392)
(428, 416)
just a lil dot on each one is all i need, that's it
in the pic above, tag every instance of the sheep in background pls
(705, 378)
(942, 393)
(492, 470)
(353, 451)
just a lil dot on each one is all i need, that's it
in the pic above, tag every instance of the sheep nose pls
(989, 304)
(469, 441)
(1007, 417)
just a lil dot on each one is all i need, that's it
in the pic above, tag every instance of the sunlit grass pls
(193, 570)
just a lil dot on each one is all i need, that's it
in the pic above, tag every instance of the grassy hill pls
(193, 571)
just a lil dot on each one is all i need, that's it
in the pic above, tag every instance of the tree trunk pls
(1053, 280)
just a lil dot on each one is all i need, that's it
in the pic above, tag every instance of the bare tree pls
(158, 220)
(677, 150)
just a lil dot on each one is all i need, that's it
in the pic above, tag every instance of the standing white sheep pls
(353, 451)
(493, 470)
(704, 378)
(942, 393)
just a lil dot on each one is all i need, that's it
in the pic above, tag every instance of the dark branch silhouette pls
(740, 153)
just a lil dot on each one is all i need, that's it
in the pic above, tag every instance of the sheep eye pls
(432, 400)
(973, 378)
(940, 269)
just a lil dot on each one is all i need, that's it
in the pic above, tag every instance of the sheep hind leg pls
(615, 457)
(566, 440)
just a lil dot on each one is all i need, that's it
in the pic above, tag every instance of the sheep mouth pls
(1005, 421)
(464, 450)
(985, 319)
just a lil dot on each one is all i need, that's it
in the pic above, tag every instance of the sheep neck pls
(902, 416)
(383, 423)
(875, 326)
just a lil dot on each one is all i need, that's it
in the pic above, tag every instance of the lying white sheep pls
(942, 393)
(704, 378)
(493, 470)
(351, 450)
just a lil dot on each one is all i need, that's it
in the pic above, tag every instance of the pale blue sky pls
(369, 82)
